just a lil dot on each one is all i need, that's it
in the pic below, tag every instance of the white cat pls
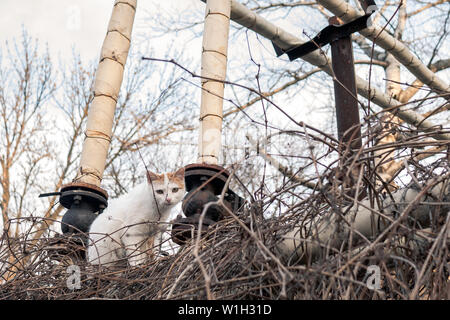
(128, 226)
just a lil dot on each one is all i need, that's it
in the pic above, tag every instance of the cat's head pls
(168, 188)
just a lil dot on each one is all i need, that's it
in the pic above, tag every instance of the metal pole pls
(108, 80)
(347, 113)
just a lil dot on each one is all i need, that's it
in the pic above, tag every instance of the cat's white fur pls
(127, 227)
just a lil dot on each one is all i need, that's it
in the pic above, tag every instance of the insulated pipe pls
(249, 19)
(107, 84)
(214, 66)
(314, 238)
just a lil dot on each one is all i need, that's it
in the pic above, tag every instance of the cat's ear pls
(151, 177)
(179, 173)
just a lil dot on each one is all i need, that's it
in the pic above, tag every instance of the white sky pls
(62, 24)
(65, 24)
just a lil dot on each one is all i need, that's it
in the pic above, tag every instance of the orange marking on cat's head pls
(153, 177)
(177, 177)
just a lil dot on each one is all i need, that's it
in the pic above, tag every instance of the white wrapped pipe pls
(214, 67)
(107, 84)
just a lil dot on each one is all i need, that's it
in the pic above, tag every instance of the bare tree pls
(43, 117)
(26, 86)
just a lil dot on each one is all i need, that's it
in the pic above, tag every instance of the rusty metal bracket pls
(345, 94)
(325, 36)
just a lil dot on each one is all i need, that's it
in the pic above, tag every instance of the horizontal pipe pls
(312, 238)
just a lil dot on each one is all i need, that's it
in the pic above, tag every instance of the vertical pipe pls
(347, 113)
(107, 84)
(214, 64)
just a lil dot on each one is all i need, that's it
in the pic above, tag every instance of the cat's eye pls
(174, 190)
(160, 191)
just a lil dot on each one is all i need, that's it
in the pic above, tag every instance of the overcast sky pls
(62, 23)
(67, 23)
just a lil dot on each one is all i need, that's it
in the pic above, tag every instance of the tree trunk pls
(393, 89)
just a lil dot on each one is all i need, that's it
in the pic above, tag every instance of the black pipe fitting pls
(83, 201)
(204, 184)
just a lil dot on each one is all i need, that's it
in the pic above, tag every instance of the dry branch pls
(308, 242)
(276, 164)
(251, 256)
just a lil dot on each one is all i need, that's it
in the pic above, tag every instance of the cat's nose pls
(168, 200)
